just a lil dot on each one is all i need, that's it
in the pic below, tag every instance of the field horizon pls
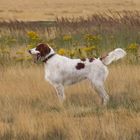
(45, 10)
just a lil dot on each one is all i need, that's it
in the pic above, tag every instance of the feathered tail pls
(113, 56)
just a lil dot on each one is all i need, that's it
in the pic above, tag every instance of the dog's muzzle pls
(36, 57)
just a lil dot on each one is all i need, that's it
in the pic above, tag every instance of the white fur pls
(61, 71)
(34, 51)
(114, 56)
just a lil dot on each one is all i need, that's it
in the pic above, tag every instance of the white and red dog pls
(61, 71)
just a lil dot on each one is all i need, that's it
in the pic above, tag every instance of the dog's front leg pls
(60, 92)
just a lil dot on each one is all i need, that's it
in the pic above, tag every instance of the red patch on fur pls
(83, 59)
(91, 59)
(103, 57)
(80, 66)
(43, 49)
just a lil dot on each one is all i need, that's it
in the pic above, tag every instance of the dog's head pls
(41, 52)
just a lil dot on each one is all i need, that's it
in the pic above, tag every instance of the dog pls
(61, 71)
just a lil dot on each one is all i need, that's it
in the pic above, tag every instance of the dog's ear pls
(44, 49)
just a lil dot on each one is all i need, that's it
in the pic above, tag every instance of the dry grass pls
(30, 108)
(31, 10)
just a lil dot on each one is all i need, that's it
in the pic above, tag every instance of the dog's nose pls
(29, 51)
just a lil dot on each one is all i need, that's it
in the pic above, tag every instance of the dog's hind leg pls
(97, 81)
(99, 87)
(60, 92)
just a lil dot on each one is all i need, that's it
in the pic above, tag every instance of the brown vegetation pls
(31, 10)
(30, 108)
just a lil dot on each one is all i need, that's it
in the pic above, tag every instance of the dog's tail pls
(113, 56)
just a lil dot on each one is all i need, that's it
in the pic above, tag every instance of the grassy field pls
(33, 10)
(30, 109)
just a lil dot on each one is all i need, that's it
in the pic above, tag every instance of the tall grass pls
(30, 108)
(109, 30)
(115, 28)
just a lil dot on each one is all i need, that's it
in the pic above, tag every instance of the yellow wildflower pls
(72, 53)
(89, 49)
(62, 51)
(90, 39)
(33, 35)
(67, 38)
(133, 46)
